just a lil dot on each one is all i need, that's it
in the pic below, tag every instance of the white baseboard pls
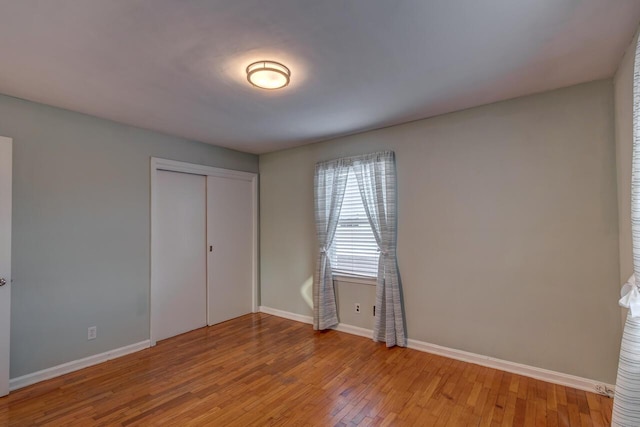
(354, 330)
(287, 315)
(465, 356)
(515, 368)
(65, 368)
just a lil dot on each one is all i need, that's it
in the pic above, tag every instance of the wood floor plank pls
(261, 370)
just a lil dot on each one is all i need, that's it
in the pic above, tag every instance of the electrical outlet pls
(357, 307)
(92, 333)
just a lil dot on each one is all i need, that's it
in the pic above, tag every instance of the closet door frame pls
(158, 164)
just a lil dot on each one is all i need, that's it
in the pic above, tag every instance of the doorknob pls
(3, 281)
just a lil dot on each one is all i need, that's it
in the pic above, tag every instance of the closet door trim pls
(176, 166)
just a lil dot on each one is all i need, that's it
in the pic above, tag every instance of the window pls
(354, 250)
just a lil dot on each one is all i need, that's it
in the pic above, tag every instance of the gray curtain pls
(329, 184)
(376, 175)
(626, 403)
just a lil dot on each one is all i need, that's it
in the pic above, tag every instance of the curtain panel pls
(626, 403)
(330, 183)
(376, 175)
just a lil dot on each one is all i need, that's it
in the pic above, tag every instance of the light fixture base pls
(269, 75)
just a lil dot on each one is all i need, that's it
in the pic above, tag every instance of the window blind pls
(354, 250)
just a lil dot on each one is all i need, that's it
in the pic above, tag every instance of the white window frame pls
(343, 276)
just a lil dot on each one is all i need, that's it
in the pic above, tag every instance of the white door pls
(5, 261)
(179, 301)
(230, 237)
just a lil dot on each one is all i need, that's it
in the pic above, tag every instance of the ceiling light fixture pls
(268, 75)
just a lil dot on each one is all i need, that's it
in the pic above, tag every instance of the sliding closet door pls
(178, 302)
(230, 236)
(6, 161)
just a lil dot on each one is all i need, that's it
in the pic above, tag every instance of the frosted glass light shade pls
(268, 75)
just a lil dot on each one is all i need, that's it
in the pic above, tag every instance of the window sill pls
(370, 281)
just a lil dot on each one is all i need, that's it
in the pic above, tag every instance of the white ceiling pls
(177, 66)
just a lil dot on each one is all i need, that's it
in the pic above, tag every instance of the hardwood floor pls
(264, 370)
